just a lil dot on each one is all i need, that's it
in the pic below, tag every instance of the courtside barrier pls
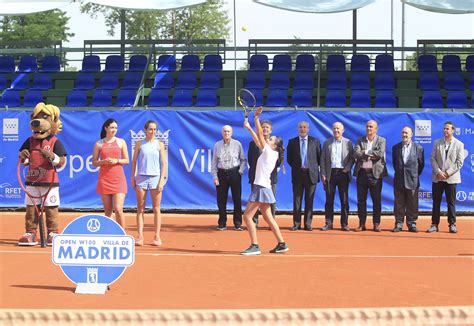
(461, 315)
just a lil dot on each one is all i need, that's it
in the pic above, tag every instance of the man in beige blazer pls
(447, 157)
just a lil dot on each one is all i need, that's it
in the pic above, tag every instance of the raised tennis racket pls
(33, 174)
(247, 102)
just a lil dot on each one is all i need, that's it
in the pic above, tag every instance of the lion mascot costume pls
(44, 125)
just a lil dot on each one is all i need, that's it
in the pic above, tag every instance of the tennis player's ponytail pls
(107, 123)
(281, 152)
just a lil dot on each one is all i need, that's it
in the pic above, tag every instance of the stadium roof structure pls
(332, 6)
(21, 7)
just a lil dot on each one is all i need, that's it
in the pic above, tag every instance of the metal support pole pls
(122, 32)
(235, 59)
(403, 36)
(354, 30)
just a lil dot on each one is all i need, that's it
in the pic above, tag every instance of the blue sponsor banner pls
(190, 137)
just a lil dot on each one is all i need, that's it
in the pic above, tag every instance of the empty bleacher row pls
(282, 86)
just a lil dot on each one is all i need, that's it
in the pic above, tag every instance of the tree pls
(44, 26)
(204, 21)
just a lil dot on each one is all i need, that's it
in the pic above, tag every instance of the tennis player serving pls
(262, 195)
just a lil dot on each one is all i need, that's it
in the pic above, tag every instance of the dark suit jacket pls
(407, 175)
(379, 168)
(253, 154)
(347, 157)
(294, 159)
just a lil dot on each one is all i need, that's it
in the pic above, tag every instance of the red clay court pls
(199, 267)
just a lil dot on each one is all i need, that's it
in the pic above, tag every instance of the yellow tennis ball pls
(244, 28)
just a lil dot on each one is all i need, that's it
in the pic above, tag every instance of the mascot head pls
(45, 121)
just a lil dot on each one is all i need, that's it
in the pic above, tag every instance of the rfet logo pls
(461, 196)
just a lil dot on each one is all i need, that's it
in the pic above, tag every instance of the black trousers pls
(406, 204)
(304, 186)
(232, 179)
(367, 182)
(272, 206)
(340, 180)
(450, 190)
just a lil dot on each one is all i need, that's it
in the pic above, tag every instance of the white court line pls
(291, 255)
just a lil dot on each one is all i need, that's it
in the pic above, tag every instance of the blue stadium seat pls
(431, 99)
(3, 82)
(210, 80)
(305, 62)
(457, 100)
(50, 63)
(20, 81)
(137, 62)
(281, 62)
(384, 62)
(384, 80)
(114, 63)
(335, 62)
(277, 98)
(132, 80)
(279, 80)
(77, 98)
(454, 81)
(206, 97)
(28, 63)
(10, 98)
(336, 99)
(212, 62)
(255, 80)
(360, 62)
(166, 62)
(7, 64)
(360, 99)
(336, 80)
(109, 80)
(452, 63)
(472, 101)
(258, 62)
(126, 98)
(469, 63)
(90, 63)
(427, 62)
(182, 97)
(42, 81)
(304, 80)
(102, 97)
(429, 81)
(163, 80)
(190, 62)
(302, 98)
(360, 80)
(471, 82)
(385, 99)
(258, 94)
(158, 97)
(85, 81)
(186, 79)
(31, 98)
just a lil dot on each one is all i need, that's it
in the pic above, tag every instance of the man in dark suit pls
(370, 168)
(252, 156)
(408, 162)
(337, 159)
(304, 156)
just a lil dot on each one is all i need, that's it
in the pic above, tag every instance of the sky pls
(263, 22)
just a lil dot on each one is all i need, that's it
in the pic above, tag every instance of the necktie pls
(446, 151)
(304, 163)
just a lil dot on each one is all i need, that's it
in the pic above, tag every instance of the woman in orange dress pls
(110, 154)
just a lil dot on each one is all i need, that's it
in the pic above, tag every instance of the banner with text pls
(190, 137)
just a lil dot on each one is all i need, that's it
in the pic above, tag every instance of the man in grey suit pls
(337, 158)
(408, 162)
(370, 168)
(447, 158)
(304, 157)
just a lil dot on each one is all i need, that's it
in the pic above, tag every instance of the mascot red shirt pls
(42, 148)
